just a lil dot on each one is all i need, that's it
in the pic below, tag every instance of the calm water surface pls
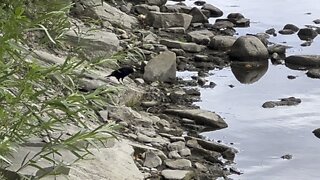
(263, 135)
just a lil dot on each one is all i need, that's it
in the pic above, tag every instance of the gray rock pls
(156, 2)
(248, 48)
(161, 68)
(200, 36)
(210, 145)
(176, 138)
(201, 58)
(316, 21)
(201, 117)
(190, 47)
(307, 34)
(185, 152)
(177, 174)
(277, 48)
(214, 11)
(286, 31)
(291, 27)
(126, 8)
(314, 73)
(152, 160)
(111, 14)
(291, 101)
(222, 42)
(178, 163)
(229, 154)
(94, 43)
(174, 155)
(201, 167)
(303, 60)
(316, 132)
(235, 16)
(179, 52)
(144, 9)
(167, 20)
(176, 146)
(222, 24)
(177, 30)
(198, 16)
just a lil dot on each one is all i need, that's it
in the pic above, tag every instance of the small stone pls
(174, 155)
(287, 156)
(177, 174)
(139, 81)
(175, 139)
(152, 160)
(291, 77)
(178, 163)
(201, 167)
(179, 145)
(314, 73)
(185, 152)
(316, 132)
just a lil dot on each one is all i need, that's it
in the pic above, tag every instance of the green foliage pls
(37, 100)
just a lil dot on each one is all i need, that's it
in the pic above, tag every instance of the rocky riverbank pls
(160, 126)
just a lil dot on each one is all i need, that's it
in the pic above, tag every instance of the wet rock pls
(276, 59)
(292, 27)
(177, 174)
(214, 11)
(291, 77)
(178, 163)
(199, 3)
(222, 42)
(174, 155)
(198, 16)
(201, 117)
(291, 101)
(316, 132)
(151, 160)
(287, 156)
(201, 81)
(316, 21)
(271, 31)
(212, 146)
(161, 68)
(307, 34)
(189, 47)
(229, 154)
(200, 36)
(286, 31)
(238, 20)
(193, 92)
(303, 60)
(223, 24)
(307, 43)
(176, 146)
(199, 152)
(248, 48)
(167, 20)
(210, 85)
(185, 152)
(314, 73)
(156, 2)
(278, 48)
(235, 16)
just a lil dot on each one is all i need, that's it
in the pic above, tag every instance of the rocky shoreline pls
(160, 126)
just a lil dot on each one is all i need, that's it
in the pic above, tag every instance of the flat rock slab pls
(177, 174)
(189, 47)
(291, 101)
(178, 163)
(201, 117)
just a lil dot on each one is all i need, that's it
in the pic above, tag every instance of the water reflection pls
(249, 72)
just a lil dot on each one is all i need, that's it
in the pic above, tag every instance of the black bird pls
(122, 73)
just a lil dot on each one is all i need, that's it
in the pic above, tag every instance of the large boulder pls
(189, 47)
(248, 48)
(161, 68)
(200, 117)
(167, 20)
(214, 11)
(303, 60)
(221, 42)
(94, 43)
(200, 36)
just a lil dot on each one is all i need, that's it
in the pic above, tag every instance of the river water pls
(264, 135)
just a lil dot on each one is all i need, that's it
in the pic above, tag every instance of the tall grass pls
(37, 100)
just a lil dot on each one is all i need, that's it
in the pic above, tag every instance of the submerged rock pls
(291, 101)
(314, 73)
